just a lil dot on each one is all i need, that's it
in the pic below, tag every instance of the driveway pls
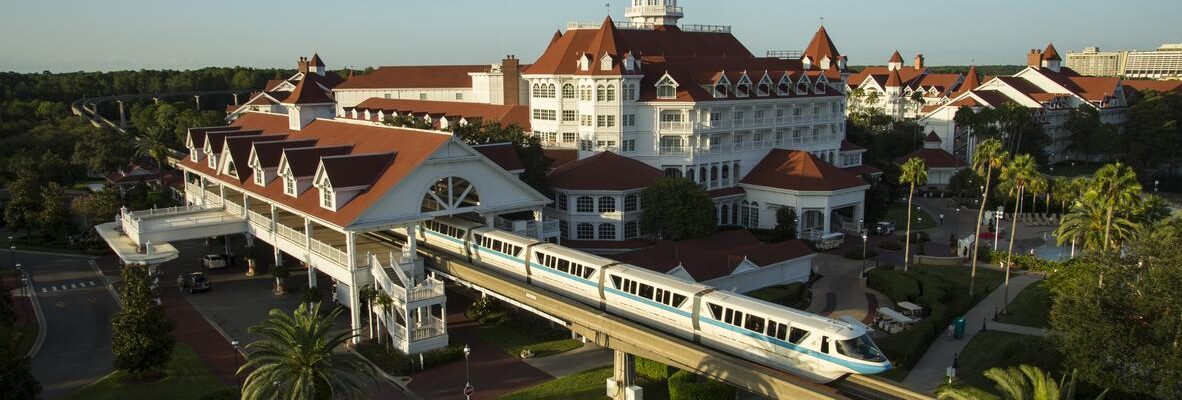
(78, 311)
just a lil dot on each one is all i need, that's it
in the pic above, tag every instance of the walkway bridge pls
(415, 320)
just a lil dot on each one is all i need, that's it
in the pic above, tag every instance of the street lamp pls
(467, 377)
(997, 217)
(956, 225)
(1155, 182)
(234, 344)
(865, 238)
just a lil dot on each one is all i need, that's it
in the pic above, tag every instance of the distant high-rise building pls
(1163, 63)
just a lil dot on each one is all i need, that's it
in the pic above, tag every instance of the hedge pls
(894, 284)
(931, 292)
(685, 385)
(653, 370)
(396, 363)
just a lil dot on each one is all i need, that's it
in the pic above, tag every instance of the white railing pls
(257, 218)
(638, 11)
(426, 290)
(193, 188)
(162, 211)
(329, 252)
(429, 328)
(233, 208)
(706, 28)
(170, 223)
(527, 227)
(675, 126)
(674, 150)
(288, 233)
(212, 199)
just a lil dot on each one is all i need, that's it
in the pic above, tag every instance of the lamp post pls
(997, 217)
(865, 238)
(12, 249)
(234, 344)
(467, 379)
(1155, 182)
(956, 225)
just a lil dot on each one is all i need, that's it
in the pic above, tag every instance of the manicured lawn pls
(991, 349)
(187, 379)
(795, 295)
(586, 385)
(897, 214)
(1031, 307)
(958, 277)
(513, 339)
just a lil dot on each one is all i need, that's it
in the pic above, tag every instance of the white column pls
(799, 222)
(539, 218)
(278, 255)
(826, 220)
(274, 220)
(411, 241)
(355, 308)
(201, 182)
(311, 275)
(307, 238)
(489, 220)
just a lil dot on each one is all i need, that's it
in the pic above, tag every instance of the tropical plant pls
(1084, 225)
(383, 301)
(1118, 189)
(677, 209)
(279, 271)
(1019, 176)
(153, 143)
(914, 172)
(296, 358)
(365, 295)
(986, 158)
(142, 338)
(1024, 382)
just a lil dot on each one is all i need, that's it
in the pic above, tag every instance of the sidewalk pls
(195, 331)
(928, 374)
(572, 362)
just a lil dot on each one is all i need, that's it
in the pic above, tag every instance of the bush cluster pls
(396, 363)
(686, 386)
(933, 293)
(653, 370)
(1022, 261)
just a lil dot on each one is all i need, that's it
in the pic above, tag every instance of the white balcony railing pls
(430, 327)
(327, 251)
(290, 234)
(159, 212)
(675, 150)
(233, 208)
(675, 126)
(258, 218)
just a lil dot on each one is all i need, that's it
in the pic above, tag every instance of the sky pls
(74, 35)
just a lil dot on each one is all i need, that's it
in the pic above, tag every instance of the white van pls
(214, 261)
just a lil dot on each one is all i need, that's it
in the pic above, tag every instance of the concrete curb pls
(42, 331)
(49, 253)
(106, 282)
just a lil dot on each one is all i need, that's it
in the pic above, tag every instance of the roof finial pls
(972, 61)
(822, 20)
(608, 6)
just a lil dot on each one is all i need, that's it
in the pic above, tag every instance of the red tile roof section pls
(413, 77)
(896, 57)
(933, 158)
(413, 148)
(503, 154)
(269, 153)
(303, 161)
(665, 41)
(799, 170)
(819, 47)
(559, 157)
(308, 92)
(1159, 86)
(1050, 53)
(316, 60)
(893, 79)
(197, 134)
(604, 171)
(505, 115)
(847, 145)
(862, 170)
(933, 137)
(239, 148)
(715, 256)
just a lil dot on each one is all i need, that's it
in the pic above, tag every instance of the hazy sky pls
(61, 35)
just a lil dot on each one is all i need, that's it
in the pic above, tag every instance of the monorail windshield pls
(861, 348)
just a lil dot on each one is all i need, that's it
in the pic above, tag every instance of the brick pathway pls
(196, 332)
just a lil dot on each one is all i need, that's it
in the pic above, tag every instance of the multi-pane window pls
(569, 137)
(607, 231)
(259, 178)
(585, 120)
(325, 197)
(585, 204)
(629, 145)
(628, 119)
(601, 93)
(605, 121)
(570, 115)
(585, 231)
(630, 203)
(568, 91)
(547, 115)
(289, 185)
(562, 201)
(666, 91)
(585, 93)
(607, 204)
(630, 230)
(459, 96)
(629, 92)
(563, 229)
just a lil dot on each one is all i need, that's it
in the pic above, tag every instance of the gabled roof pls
(356, 170)
(302, 161)
(714, 256)
(819, 47)
(1159, 86)
(971, 81)
(308, 92)
(933, 137)
(933, 158)
(604, 171)
(801, 171)
(315, 61)
(215, 139)
(197, 134)
(1050, 53)
(239, 149)
(503, 154)
(413, 77)
(893, 79)
(269, 153)
(896, 57)
(663, 41)
(414, 147)
(502, 114)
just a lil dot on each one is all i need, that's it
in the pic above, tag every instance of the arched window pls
(550, 91)
(629, 92)
(535, 90)
(702, 174)
(736, 171)
(672, 172)
(568, 91)
(689, 174)
(714, 173)
(585, 231)
(666, 91)
(562, 201)
(607, 204)
(450, 193)
(726, 215)
(726, 171)
(585, 204)
(600, 93)
(745, 213)
(611, 93)
(754, 215)
(630, 203)
(607, 231)
(631, 230)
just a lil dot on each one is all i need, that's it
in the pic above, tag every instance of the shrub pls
(653, 370)
(310, 296)
(396, 363)
(890, 245)
(894, 284)
(685, 385)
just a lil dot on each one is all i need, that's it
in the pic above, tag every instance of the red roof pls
(268, 153)
(908, 76)
(559, 157)
(239, 149)
(893, 79)
(604, 171)
(504, 115)
(413, 148)
(1090, 88)
(356, 170)
(862, 170)
(197, 134)
(819, 47)
(847, 145)
(1050, 53)
(896, 57)
(664, 41)
(1160, 86)
(308, 92)
(799, 170)
(724, 192)
(412, 77)
(933, 137)
(315, 61)
(933, 158)
(715, 256)
(503, 154)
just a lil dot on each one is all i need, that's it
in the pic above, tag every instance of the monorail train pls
(817, 348)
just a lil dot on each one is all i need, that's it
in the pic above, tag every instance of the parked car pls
(884, 228)
(214, 261)
(198, 282)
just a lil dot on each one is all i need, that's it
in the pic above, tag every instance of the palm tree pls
(296, 359)
(1020, 175)
(914, 172)
(153, 143)
(365, 295)
(1118, 188)
(383, 301)
(1024, 382)
(1086, 223)
(987, 157)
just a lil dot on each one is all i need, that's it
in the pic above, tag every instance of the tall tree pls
(786, 223)
(677, 209)
(1020, 175)
(153, 143)
(1084, 225)
(1118, 188)
(16, 372)
(53, 220)
(913, 173)
(142, 340)
(296, 358)
(25, 201)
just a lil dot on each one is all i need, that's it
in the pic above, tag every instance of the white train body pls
(815, 347)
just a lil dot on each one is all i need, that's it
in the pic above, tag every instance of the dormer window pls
(289, 184)
(213, 161)
(802, 87)
(820, 87)
(260, 177)
(629, 92)
(605, 63)
(783, 88)
(763, 90)
(720, 90)
(584, 63)
(193, 154)
(327, 199)
(742, 90)
(666, 88)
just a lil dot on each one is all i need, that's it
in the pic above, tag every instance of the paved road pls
(78, 310)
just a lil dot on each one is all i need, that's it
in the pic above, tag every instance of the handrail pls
(258, 218)
(288, 233)
(329, 252)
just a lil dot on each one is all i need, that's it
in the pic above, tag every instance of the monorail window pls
(777, 330)
(715, 311)
(617, 281)
(678, 300)
(797, 335)
(825, 344)
(587, 272)
(563, 265)
(646, 291)
(754, 324)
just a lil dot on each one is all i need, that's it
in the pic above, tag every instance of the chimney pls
(511, 70)
(302, 65)
(1034, 59)
(918, 62)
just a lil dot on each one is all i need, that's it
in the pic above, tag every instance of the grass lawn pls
(795, 295)
(958, 277)
(1031, 307)
(512, 339)
(897, 214)
(187, 379)
(991, 349)
(586, 385)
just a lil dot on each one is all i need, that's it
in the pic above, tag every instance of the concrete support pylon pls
(624, 377)
(198, 97)
(311, 275)
(122, 115)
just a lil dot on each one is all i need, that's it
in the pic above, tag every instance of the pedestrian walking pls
(180, 282)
